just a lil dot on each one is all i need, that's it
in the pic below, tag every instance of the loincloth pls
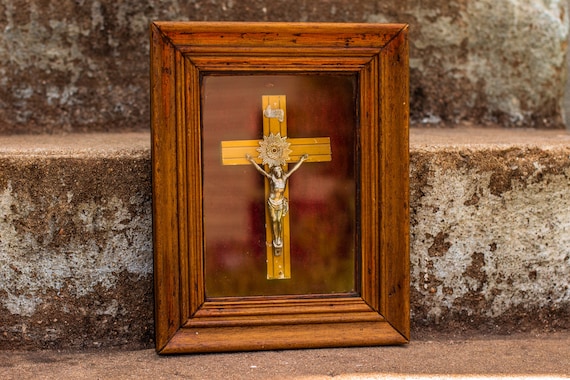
(280, 205)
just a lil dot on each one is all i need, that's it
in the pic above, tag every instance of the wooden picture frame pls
(377, 313)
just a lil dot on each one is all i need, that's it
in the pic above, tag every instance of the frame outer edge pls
(395, 218)
(163, 185)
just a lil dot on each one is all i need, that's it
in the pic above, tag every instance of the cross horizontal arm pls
(234, 152)
(318, 149)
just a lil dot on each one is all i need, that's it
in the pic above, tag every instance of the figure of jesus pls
(277, 203)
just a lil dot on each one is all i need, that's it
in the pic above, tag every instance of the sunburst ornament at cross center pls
(274, 150)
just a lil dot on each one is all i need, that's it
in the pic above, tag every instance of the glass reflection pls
(322, 196)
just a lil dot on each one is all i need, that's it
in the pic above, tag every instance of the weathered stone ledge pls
(490, 235)
(84, 67)
(490, 229)
(91, 145)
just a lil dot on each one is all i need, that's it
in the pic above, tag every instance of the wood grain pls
(395, 222)
(378, 313)
(164, 188)
(248, 338)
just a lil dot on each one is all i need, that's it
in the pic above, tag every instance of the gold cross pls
(236, 152)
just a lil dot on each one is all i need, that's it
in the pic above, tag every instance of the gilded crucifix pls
(275, 152)
(277, 203)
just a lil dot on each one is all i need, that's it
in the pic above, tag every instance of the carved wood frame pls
(188, 322)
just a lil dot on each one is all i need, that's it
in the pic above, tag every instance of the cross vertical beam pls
(278, 266)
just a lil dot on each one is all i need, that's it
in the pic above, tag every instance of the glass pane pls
(322, 196)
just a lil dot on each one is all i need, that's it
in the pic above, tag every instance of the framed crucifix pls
(280, 185)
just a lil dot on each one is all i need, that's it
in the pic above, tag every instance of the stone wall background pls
(489, 236)
(82, 65)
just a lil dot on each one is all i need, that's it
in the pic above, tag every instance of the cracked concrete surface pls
(489, 236)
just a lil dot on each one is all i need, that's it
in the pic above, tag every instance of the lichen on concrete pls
(75, 250)
(495, 62)
(491, 237)
(83, 65)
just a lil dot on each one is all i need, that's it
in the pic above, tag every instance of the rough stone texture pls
(490, 230)
(566, 99)
(75, 244)
(83, 65)
(490, 236)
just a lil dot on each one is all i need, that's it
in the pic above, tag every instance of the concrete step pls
(490, 236)
(537, 357)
